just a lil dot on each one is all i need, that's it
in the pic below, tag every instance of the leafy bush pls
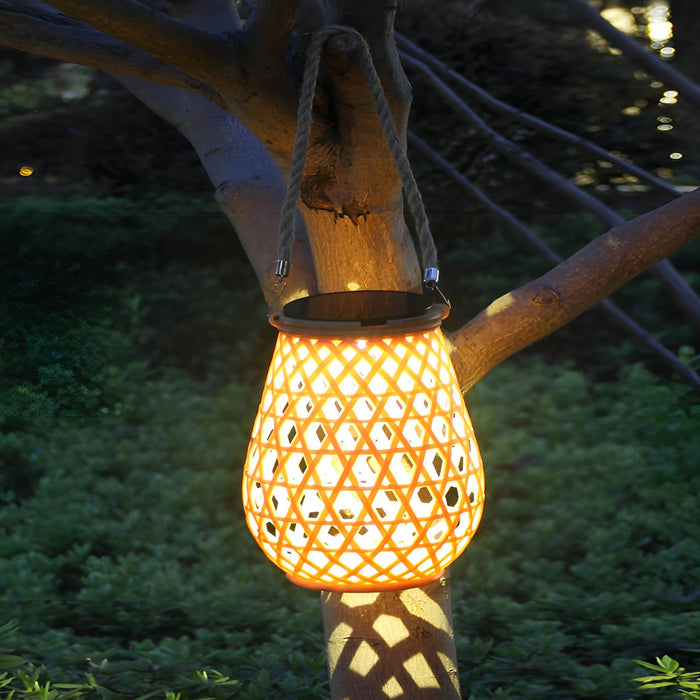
(126, 399)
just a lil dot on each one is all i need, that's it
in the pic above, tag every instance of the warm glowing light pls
(667, 52)
(420, 604)
(620, 19)
(675, 156)
(500, 304)
(419, 670)
(358, 600)
(669, 97)
(26, 170)
(632, 111)
(391, 629)
(364, 660)
(336, 644)
(660, 31)
(659, 28)
(392, 688)
(584, 178)
(447, 664)
(664, 127)
(363, 473)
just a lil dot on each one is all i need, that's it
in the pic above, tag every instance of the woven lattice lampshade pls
(362, 473)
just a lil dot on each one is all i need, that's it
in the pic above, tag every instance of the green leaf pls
(660, 684)
(10, 661)
(668, 664)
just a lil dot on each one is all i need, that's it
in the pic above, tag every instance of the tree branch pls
(512, 152)
(540, 307)
(60, 38)
(688, 299)
(210, 15)
(270, 26)
(633, 51)
(619, 316)
(529, 120)
(204, 55)
(374, 19)
(249, 187)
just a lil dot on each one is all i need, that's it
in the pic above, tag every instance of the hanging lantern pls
(363, 473)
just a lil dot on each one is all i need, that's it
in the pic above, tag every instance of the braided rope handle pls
(391, 136)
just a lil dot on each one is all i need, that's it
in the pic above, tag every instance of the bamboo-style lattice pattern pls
(362, 471)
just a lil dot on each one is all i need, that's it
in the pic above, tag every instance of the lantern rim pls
(366, 312)
(369, 587)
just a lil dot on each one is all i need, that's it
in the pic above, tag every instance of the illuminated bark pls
(389, 645)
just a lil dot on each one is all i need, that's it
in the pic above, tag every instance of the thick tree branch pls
(634, 51)
(374, 19)
(364, 173)
(619, 316)
(270, 26)
(210, 57)
(540, 307)
(63, 39)
(249, 187)
(210, 15)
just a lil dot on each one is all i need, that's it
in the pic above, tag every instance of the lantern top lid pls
(367, 312)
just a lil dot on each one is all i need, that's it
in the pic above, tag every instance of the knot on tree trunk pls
(546, 296)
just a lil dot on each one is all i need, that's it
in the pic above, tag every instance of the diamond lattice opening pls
(356, 490)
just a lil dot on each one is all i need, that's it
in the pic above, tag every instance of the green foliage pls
(123, 552)
(132, 365)
(588, 554)
(57, 88)
(668, 673)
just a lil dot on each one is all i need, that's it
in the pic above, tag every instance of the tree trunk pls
(392, 644)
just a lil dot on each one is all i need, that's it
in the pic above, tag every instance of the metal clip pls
(430, 277)
(281, 267)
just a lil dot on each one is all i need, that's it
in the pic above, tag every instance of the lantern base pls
(366, 588)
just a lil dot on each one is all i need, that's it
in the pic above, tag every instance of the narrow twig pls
(634, 52)
(531, 121)
(512, 152)
(666, 272)
(620, 317)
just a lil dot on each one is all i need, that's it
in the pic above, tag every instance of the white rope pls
(391, 136)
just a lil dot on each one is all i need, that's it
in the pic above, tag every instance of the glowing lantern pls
(362, 473)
